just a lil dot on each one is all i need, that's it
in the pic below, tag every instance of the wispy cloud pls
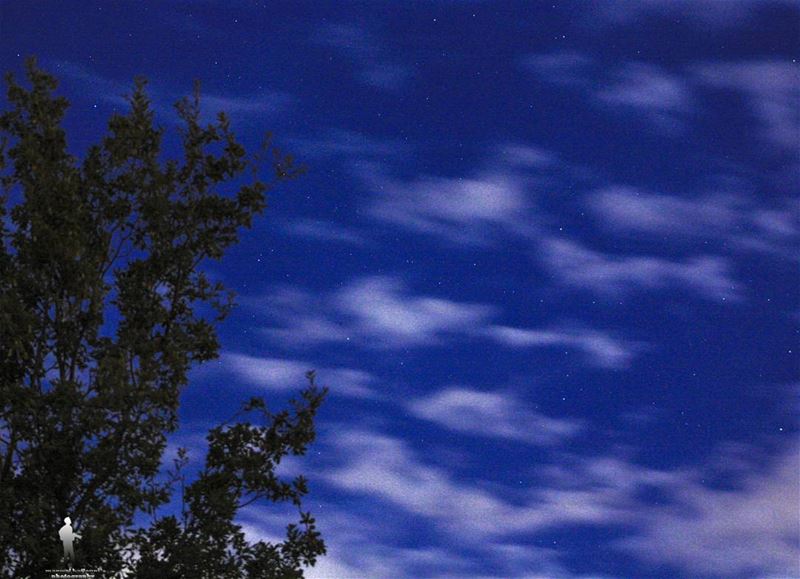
(749, 530)
(772, 90)
(381, 309)
(575, 265)
(522, 155)
(105, 89)
(563, 67)
(289, 375)
(771, 87)
(374, 63)
(493, 415)
(708, 14)
(265, 102)
(349, 144)
(387, 468)
(602, 349)
(461, 210)
(374, 312)
(300, 318)
(326, 231)
(381, 312)
(361, 544)
(649, 89)
(164, 97)
(494, 202)
(631, 209)
(386, 76)
(661, 96)
(734, 220)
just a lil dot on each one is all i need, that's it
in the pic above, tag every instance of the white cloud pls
(525, 156)
(303, 318)
(565, 67)
(772, 90)
(379, 312)
(627, 208)
(708, 14)
(375, 312)
(493, 415)
(319, 230)
(496, 201)
(601, 348)
(265, 102)
(163, 99)
(778, 223)
(382, 311)
(385, 467)
(771, 87)
(663, 97)
(390, 77)
(575, 265)
(733, 220)
(461, 210)
(106, 89)
(648, 88)
(364, 546)
(289, 375)
(375, 65)
(595, 491)
(349, 144)
(750, 530)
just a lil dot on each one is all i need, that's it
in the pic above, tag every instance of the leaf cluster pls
(104, 308)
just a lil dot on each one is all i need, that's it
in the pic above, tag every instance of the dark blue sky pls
(545, 257)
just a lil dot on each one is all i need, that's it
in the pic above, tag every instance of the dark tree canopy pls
(103, 311)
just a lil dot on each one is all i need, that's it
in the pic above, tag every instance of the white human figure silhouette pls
(67, 537)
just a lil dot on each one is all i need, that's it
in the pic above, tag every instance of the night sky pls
(545, 257)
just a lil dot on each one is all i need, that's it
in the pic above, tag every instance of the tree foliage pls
(103, 311)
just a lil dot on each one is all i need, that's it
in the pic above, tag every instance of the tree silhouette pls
(103, 311)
